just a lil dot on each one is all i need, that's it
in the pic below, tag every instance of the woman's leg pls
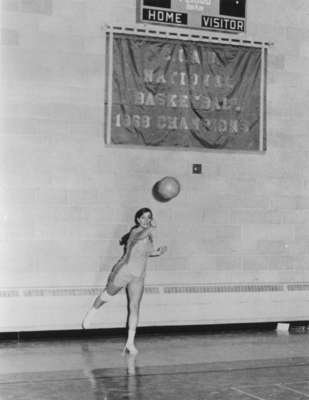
(101, 299)
(135, 293)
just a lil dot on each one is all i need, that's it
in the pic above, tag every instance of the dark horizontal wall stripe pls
(48, 292)
(298, 286)
(155, 289)
(223, 289)
(60, 292)
(152, 290)
(57, 292)
(9, 293)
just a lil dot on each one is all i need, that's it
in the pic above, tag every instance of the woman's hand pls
(161, 250)
(158, 252)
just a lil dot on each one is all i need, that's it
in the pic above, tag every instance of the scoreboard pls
(218, 15)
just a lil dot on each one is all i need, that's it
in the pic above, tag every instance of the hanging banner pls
(187, 94)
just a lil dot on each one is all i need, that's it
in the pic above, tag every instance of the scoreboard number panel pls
(219, 15)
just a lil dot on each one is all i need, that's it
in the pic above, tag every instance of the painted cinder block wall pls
(238, 235)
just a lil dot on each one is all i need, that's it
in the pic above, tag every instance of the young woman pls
(129, 272)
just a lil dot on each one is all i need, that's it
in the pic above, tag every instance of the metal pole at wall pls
(262, 99)
(109, 86)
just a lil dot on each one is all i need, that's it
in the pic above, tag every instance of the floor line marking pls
(248, 394)
(273, 384)
(293, 390)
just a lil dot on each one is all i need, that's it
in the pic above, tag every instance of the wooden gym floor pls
(242, 365)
